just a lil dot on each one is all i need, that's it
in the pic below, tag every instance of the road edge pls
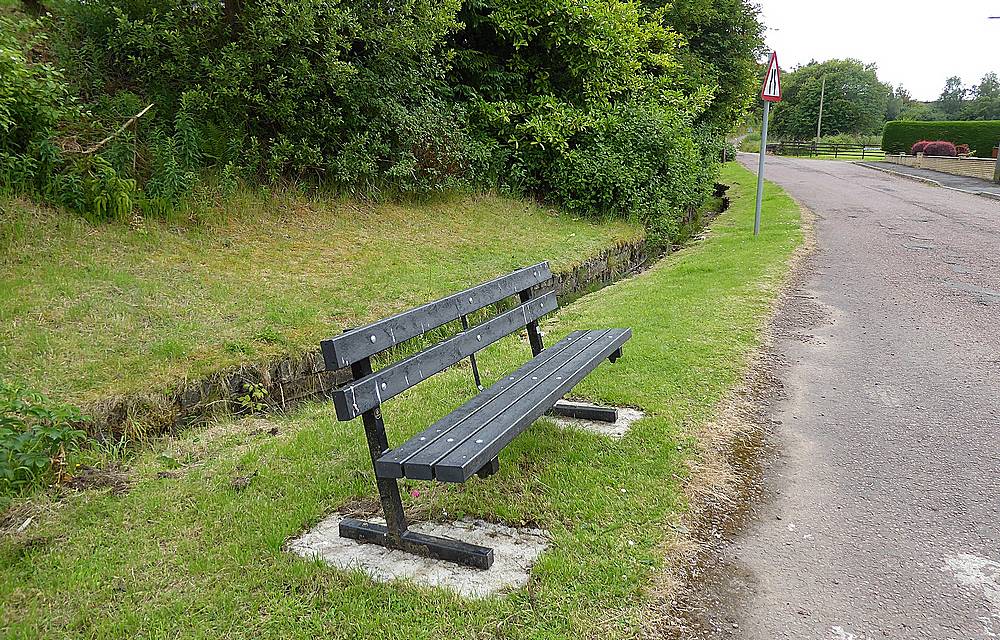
(982, 194)
(725, 474)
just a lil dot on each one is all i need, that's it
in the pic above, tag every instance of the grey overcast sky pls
(917, 44)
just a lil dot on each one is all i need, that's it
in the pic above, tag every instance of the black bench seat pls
(463, 442)
(469, 440)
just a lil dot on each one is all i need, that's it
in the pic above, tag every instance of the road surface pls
(881, 508)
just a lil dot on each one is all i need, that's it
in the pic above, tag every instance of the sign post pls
(770, 92)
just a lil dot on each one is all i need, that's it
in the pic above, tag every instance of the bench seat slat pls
(369, 392)
(463, 461)
(423, 464)
(390, 464)
(362, 342)
(498, 414)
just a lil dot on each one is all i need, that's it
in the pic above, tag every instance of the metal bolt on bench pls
(467, 441)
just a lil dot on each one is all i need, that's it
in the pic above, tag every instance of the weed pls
(254, 398)
(35, 436)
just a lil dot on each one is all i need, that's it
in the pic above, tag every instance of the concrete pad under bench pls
(515, 552)
(627, 416)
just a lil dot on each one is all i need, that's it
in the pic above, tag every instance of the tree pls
(952, 97)
(988, 87)
(856, 102)
(899, 99)
(232, 9)
(724, 39)
(922, 111)
(985, 102)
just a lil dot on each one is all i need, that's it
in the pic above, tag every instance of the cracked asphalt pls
(879, 516)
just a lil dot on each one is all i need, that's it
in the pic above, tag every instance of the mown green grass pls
(87, 312)
(184, 554)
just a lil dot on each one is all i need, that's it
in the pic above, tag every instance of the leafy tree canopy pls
(855, 103)
(724, 40)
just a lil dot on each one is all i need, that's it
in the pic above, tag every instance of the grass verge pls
(88, 312)
(185, 552)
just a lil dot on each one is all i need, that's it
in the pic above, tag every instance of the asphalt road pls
(880, 510)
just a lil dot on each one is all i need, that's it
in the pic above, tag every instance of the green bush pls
(34, 98)
(309, 90)
(981, 136)
(421, 96)
(33, 432)
(640, 163)
(587, 106)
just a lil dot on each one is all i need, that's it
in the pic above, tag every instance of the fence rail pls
(822, 149)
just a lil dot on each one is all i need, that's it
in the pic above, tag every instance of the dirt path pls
(879, 516)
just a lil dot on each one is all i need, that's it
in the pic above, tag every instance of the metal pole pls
(996, 171)
(760, 168)
(819, 123)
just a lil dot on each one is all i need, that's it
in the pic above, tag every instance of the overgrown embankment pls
(119, 318)
(613, 109)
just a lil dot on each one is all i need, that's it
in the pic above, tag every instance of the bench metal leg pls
(463, 553)
(489, 468)
(584, 411)
(394, 534)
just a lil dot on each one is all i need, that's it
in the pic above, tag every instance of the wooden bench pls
(467, 441)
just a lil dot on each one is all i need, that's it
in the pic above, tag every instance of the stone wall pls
(970, 167)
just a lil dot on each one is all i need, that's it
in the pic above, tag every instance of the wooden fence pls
(825, 150)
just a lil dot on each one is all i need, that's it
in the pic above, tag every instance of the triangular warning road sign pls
(771, 91)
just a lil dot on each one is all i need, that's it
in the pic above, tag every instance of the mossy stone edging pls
(301, 377)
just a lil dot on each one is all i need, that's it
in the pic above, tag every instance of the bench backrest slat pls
(360, 343)
(369, 392)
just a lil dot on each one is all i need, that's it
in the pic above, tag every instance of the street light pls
(819, 123)
(996, 171)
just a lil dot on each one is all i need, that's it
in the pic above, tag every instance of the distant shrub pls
(919, 146)
(35, 433)
(940, 148)
(962, 149)
(981, 135)
(870, 140)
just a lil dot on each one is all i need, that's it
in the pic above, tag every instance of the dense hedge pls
(981, 136)
(606, 107)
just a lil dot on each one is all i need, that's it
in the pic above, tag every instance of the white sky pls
(917, 43)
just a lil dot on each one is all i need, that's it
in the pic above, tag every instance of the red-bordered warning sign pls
(771, 91)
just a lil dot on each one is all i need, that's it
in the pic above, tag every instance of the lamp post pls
(819, 122)
(996, 170)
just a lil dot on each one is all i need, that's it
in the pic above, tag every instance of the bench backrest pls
(369, 390)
